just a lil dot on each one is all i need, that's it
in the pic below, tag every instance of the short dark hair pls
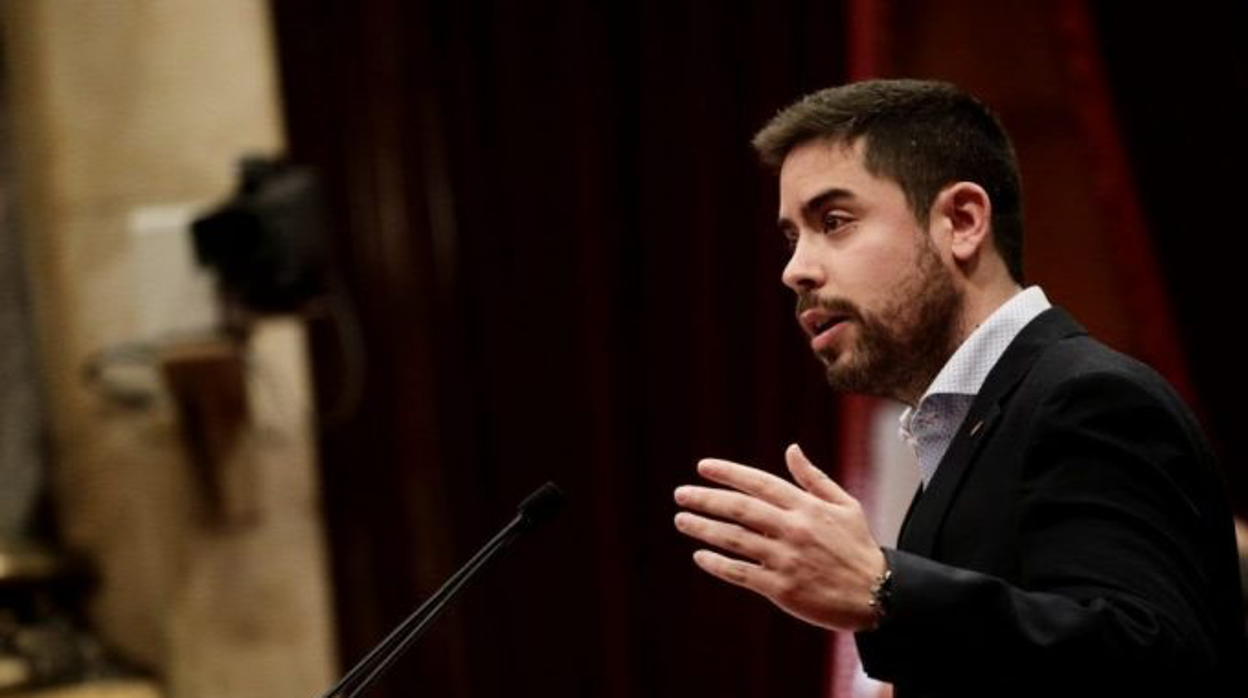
(921, 134)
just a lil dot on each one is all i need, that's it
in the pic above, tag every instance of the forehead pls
(817, 166)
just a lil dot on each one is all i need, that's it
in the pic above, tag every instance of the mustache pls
(839, 306)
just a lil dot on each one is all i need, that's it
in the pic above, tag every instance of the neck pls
(980, 304)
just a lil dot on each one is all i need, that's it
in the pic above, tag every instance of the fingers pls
(812, 479)
(739, 572)
(752, 481)
(731, 506)
(804, 546)
(726, 536)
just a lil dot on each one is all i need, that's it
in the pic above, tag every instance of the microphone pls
(537, 508)
(540, 506)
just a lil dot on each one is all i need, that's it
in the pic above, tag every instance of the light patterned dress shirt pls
(929, 428)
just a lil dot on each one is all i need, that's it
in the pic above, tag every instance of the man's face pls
(873, 294)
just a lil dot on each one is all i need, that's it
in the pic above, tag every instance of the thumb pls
(812, 479)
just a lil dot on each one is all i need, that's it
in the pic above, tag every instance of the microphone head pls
(541, 505)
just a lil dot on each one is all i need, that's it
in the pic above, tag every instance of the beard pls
(898, 349)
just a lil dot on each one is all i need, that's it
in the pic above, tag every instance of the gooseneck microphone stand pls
(535, 509)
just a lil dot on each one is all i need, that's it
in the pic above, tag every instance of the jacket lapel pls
(927, 512)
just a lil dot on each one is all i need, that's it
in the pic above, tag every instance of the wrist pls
(881, 595)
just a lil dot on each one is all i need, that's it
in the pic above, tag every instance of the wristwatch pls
(882, 595)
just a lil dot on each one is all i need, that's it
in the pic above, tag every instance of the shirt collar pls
(966, 370)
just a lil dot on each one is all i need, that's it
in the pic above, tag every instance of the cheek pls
(882, 275)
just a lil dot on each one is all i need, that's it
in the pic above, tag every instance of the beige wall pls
(118, 105)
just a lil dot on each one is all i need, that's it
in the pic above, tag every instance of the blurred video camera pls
(266, 244)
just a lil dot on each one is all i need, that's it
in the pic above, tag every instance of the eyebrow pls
(816, 202)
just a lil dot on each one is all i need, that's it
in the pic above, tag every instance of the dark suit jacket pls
(1075, 540)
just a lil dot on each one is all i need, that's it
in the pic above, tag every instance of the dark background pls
(561, 255)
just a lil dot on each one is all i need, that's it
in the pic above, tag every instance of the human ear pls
(966, 212)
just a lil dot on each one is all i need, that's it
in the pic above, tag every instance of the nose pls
(803, 273)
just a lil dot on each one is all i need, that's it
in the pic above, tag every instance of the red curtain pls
(565, 266)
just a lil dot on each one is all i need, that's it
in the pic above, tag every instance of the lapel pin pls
(975, 429)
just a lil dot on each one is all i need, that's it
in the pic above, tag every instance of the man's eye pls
(833, 221)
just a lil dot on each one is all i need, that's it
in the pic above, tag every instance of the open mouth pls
(824, 330)
(828, 324)
(821, 323)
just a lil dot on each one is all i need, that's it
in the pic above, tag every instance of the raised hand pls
(806, 547)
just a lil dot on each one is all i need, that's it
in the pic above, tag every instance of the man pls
(1071, 534)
